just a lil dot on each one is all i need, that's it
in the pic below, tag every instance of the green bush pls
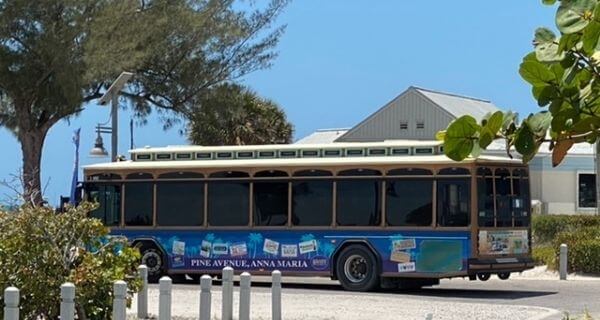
(583, 248)
(546, 227)
(40, 250)
(544, 255)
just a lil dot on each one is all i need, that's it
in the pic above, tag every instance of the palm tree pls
(255, 239)
(231, 114)
(328, 249)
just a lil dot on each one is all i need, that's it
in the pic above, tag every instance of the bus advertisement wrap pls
(497, 242)
(307, 251)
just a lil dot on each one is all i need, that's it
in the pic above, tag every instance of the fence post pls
(11, 303)
(227, 299)
(67, 303)
(245, 296)
(142, 303)
(164, 298)
(563, 261)
(120, 300)
(276, 295)
(205, 286)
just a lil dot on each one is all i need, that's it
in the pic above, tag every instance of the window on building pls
(453, 198)
(139, 199)
(403, 125)
(421, 124)
(108, 198)
(180, 203)
(586, 189)
(409, 202)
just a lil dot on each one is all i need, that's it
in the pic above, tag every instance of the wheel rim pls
(356, 268)
(153, 261)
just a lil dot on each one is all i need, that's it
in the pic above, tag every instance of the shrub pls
(546, 227)
(584, 248)
(544, 255)
(40, 250)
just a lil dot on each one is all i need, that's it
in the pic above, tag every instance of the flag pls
(74, 181)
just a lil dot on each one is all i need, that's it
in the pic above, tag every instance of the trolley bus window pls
(228, 203)
(503, 198)
(138, 203)
(179, 203)
(312, 202)
(358, 200)
(409, 202)
(270, 203)
(453, 197)
(521, 203)
(485, 197)
(108, 198)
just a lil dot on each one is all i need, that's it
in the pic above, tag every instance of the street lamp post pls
(112, 95)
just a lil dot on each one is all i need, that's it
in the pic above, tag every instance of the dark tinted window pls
(138, 203)
(359, 172)
(409, 202)
(312, 202)
(139, 175)
(228, 203)
(271, 173)
(270, 203)
(503, 198)
(485, 197)
(180, 203)
(358, 202)
(108, 197)
(409, 172)
(453, 198)
(229, 174)
(454, 171)
(181, 175)
(312, 173)
(521, 202)
(587, 190)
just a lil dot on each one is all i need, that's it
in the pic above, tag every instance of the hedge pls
(546, 227)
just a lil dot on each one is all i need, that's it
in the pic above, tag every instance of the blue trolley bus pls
(392, 213)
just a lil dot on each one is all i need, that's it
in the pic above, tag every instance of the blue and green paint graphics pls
(411, 251)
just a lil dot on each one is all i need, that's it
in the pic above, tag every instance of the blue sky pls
(341, 60)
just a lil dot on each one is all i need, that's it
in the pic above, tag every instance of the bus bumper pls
(500, 265)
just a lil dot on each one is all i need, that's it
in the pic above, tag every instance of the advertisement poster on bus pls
(312, 251)
(499, 242)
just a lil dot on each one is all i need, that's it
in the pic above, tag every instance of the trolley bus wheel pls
(154, 260)
(483, 276)
(504, 275)
(356, 269)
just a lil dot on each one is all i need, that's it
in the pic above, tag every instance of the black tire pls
(504, 275)
(483, 276)
(357, 268)
(153, 258)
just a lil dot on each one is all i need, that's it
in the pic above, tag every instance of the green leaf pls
(574, 15)
(440, 135)
(476, 151)
(590, 36)
(539, 123)
(485, 138)
(536, 73)
(544, 95)
(460, 137)
(543, 35)
(495, 122)
(549, 2)
(548, 52)
(524, 140)
(568, 41)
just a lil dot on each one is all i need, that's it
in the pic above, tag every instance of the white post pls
(120, 300)
(164, 298)
(11, 303)
(142, 303)
(227, 299)
(205, 286)
(276, 295)
(67, 303)
(562, 263)
(245, 296)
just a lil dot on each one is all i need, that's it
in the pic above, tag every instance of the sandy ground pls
(316, 304)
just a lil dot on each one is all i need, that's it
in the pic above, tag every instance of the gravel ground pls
(347, 306)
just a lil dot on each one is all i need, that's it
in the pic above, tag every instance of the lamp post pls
(112, 95)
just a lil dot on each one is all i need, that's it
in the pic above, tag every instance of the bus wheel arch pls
(153, 256)
(356, 253)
